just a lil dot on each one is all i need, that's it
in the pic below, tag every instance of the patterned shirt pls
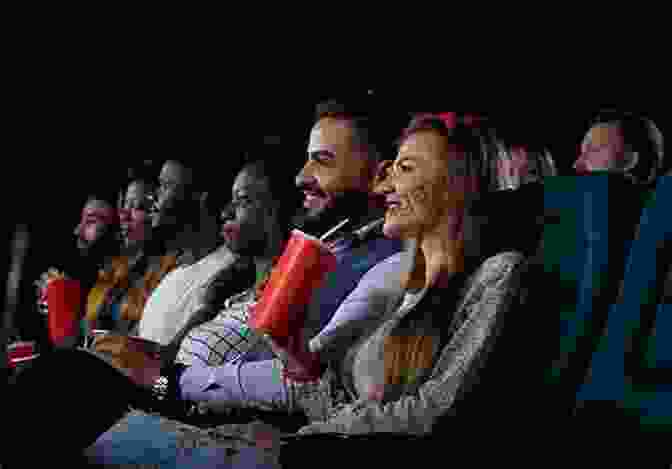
(227, 338)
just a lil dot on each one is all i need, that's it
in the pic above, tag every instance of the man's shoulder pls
(375, 248)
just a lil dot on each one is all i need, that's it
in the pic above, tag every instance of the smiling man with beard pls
(336, 178)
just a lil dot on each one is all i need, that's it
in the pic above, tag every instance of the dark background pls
(79, 132)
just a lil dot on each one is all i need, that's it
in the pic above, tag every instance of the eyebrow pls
(412, 157)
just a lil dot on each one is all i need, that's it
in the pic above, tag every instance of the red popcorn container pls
(64, 299)
(300, 270)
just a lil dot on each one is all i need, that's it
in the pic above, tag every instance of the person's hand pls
(131, 356)
(300, 363)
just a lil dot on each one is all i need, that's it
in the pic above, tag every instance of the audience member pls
(625, 143)
(98, 247)
(186, 221)
(116, 301)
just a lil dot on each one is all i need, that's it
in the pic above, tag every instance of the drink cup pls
(20, 352)
(300, 271)
(64, 299)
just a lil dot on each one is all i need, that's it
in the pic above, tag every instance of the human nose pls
(305, 177)
(382, 181)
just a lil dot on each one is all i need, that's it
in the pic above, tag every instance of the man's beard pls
(353, 205)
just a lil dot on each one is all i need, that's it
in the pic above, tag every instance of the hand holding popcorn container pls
(20, 354)
(64, 303)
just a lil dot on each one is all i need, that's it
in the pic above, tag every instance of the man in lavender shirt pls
(226, 360)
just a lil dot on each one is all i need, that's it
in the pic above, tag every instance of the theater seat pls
(590, 224)
(630, 380)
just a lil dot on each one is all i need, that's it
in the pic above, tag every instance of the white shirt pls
(179, 295)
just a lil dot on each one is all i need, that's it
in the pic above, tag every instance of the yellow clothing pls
(135, 296)
(116, 275)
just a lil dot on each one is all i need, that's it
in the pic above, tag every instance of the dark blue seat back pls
(632, 369)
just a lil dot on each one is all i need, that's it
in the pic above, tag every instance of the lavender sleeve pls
(363, 307)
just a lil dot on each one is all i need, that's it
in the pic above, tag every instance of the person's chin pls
(392, 231)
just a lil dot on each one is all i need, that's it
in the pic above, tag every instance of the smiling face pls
(423, 185)
(337, 165)
(134, 214)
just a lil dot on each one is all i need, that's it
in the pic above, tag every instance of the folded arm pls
(227, 282)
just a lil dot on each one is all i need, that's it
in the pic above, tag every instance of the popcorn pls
(42, 283)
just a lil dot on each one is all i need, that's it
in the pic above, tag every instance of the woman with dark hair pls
(116, 302)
